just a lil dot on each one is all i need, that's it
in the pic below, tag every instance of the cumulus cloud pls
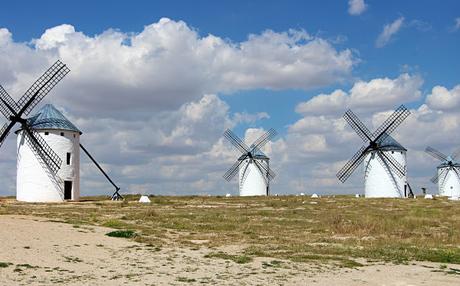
(356, 7)
(457, 23)
(375, 94)
(389, 30)
(443, 99)
(168, 64)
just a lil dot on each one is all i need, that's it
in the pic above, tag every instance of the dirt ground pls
(37, 251)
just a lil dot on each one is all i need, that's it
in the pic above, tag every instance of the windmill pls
(44, 141)
(252, 166)
(384, 158)
(15, 111)
(448, 173)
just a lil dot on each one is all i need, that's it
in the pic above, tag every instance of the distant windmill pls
(384, 158)
(253, 165)
(448, 173)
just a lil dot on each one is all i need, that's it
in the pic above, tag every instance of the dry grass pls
(336, 230)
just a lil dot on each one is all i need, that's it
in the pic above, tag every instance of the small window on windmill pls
(68, 158)
(392, 152)
(62, 133)
(47, 133)
(74, 136)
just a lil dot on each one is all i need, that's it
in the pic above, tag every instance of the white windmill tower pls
(384, 158)
(252, 166)
(34, 182)
(448, 173)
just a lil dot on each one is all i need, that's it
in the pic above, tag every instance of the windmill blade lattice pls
(443, 181)
(3, 133)
(233, 170)
(436, 154)
(261, 172)
(392, 122)
(246, 172)
(455, 154)
(351, 165)
(8, 106)
(358, 126)
(457, 172)
(388, 169)
(436, 176)
(394, 165)
(42, 149)
(268, 172)
(236, 141)
(259, 143)
(42, 86)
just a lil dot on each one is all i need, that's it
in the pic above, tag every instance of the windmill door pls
(67, 190)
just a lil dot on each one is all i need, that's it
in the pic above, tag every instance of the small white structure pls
(454, 198)
(252, 180)
(144, 199)
(429, 196)
(379, 179)
(228, 195)
(34, 182)
(357, 195)
(314, 196)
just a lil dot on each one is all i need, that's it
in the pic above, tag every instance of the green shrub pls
(121, 233)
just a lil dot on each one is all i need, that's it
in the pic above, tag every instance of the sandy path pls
(40, 252)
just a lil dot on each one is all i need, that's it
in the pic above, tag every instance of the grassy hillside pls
(337, 230)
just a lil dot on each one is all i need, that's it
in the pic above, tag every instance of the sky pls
(153, 86)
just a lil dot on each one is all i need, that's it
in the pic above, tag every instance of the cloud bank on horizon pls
(152, 105)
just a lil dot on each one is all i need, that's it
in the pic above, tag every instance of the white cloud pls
(168, 64)
(443, 99)
(324, 103)
(356, 7)
(389, 30)
(375, 94)
(457, 23)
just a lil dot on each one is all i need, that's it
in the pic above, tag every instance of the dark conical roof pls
(256, 154)
(48, 117)
(388, 143)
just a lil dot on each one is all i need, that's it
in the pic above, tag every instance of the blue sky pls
(425, 45)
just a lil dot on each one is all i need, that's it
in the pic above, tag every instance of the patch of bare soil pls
(36, 251)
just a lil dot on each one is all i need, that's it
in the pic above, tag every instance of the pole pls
(116, 195)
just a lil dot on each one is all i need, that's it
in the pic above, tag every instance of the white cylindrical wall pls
(378, 183)
(34, 183)
(254, 184)
(450, 186)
